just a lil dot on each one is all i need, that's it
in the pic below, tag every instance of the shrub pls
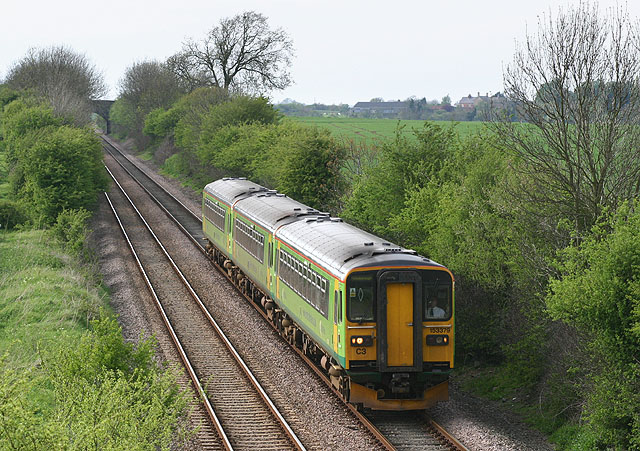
(599, 294)
(62, 170)
(71, 229)
(11, 214)
(160, 123)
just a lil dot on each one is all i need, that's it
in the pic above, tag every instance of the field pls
(371, 131)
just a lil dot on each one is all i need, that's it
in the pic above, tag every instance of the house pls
(380, 108)
(498, 100)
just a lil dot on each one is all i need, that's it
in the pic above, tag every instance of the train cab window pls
(436, 295)
(361, 295)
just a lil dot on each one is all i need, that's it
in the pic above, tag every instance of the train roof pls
(271, 210)
(229, 190)
(340, 247)
(333, 244)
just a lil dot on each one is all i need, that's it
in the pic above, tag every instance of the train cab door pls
(399, 321)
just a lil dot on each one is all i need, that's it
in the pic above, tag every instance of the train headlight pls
(362, 340)
(437, 340)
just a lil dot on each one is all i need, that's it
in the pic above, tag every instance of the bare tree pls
(66, 78)
(575, 84)
(145, 86)
(241, 54)
(148, 85)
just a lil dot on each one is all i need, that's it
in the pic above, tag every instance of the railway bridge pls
(102, 108)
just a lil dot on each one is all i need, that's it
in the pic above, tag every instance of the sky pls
(345, 50)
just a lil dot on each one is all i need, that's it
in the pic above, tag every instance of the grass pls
(44, 294)
(372, 131)
(497, 383)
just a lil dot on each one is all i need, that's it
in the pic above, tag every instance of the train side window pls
(270, 254)
(337, 307)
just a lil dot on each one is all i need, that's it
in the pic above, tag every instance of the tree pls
(65, 78)
(576, 84)
(148, 85)
(241, 54)
(145, 86)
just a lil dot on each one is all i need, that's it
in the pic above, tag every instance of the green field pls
(372, 131)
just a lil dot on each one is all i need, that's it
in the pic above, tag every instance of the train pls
(377, 318)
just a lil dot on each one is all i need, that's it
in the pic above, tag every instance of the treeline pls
(68, 379)
(210, 133)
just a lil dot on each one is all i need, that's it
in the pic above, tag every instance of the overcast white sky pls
(346, 50)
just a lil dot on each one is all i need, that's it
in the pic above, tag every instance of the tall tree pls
(64, 77)
(149, 85)
(575, 83)
(242, 54)
(145, 86)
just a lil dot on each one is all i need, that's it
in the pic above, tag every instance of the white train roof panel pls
(229, 190)
(339, 247)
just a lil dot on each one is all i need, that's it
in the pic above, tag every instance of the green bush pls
(305, 163)
(62, 169)
(107, 394)
(71, 229)
(123, 117)
(599, 294)
(161, 123)
(11, 214)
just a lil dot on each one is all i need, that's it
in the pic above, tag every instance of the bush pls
(160, 123)
(239, 110)
(71, 229)
(305, 164)
(107, 394)
(599, 294)
(62, 170)
(11, 214)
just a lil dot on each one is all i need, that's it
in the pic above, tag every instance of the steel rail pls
(254, 381)
(448, 437)
(174, 337)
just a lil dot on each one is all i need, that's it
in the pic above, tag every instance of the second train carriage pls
(378, 318)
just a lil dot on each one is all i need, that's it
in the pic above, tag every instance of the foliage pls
(52, 166)
(160, 123)
(71, 229)
(191, 109)
(403, 166)
(123, 117)
(144, 87)
(12, 213)
(65, 78)
(62, 170)
(306, 165)
(599, 294)
(239, 110)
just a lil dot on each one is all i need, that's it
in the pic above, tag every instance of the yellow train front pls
(398, 332)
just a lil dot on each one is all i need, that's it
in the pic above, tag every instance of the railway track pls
(238, 407)
(409, 430)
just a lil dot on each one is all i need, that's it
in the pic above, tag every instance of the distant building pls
(498, 100)
(380, 108)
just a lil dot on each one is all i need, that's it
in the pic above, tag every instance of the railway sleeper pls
(287, 328)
